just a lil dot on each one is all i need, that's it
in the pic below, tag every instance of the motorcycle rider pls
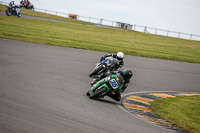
(26, 3)
(12, 4)
(22, 3)
(119, 56)
(127, 74)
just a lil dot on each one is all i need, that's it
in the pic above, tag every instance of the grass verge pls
(99, 39)
(181, 111)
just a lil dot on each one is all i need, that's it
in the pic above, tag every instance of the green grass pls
(44, 15)
(181, 111)
(99, 39)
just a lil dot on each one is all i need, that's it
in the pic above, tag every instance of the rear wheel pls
(8, 12)
(98, 93)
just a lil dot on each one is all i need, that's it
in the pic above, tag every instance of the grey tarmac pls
(42, 90)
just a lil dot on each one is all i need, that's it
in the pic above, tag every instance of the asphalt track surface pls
(42, 90)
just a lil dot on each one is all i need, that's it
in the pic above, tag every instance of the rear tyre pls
(8, 12)
(98, 93)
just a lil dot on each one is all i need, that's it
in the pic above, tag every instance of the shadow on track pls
(106, 101)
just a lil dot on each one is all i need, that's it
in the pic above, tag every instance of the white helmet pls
(120, 56)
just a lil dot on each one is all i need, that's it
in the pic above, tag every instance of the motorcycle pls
(15, 11)
(30, 6)
(106, 65)
(106, 86)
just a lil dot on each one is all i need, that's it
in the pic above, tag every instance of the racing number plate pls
(114, 84)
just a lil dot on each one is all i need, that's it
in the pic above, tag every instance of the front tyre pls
(8, 12)
(88, 93)
(101, 67)
(19, 14)
(98, 93)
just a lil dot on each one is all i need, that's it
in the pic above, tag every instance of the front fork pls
(98, 85)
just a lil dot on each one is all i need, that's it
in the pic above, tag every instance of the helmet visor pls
(118, 58)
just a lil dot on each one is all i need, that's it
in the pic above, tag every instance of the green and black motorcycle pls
(106, 86)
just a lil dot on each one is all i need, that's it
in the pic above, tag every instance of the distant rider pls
(22, 3)
(12, 4)
(26, 3)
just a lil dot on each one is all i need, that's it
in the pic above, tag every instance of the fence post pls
(191, 37)
(145, 30)
(167, 33)
(155, 31)
(46, 11)
(89, 19)
(101, 20)
(179, 35)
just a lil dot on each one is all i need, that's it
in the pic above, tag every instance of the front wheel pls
(88, 93)
(8, 12)
(19, 14)
(97, 70)
(98, 93)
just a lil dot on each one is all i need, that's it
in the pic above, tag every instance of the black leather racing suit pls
(117, 66)
(117, 94)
